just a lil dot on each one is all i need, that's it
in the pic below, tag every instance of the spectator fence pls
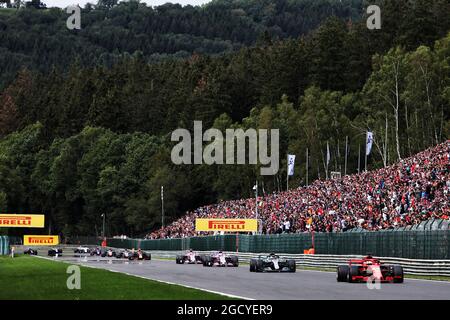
(429, 240)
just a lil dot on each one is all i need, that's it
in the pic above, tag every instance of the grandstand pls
(406, 193)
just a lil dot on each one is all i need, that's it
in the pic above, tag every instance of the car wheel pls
(207, 262)
(234, 261)
(292, 266)
(259, 266)
(354, 271)
(252, 265)
(342, 273)
(398, 274)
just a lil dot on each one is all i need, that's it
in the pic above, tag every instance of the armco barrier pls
(412, 243)
(4, 245)
(410, 266)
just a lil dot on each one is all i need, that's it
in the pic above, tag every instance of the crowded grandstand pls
(403, 194)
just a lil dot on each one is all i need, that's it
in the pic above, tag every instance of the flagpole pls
(365, 156)
(328, 152)
(359, 158)
(103, 229)
(256, 198)
(307, 164)
(346, 152)
(162, 206)
(287, 174)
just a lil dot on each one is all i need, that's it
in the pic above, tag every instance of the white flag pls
(291, 162)
(369, 140)
(328, 153)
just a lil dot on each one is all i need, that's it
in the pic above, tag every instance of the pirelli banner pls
(40, 240)
(22, 220)
(227, 225)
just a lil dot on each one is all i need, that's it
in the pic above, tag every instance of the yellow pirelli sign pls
(40, 240)
(227, 225)
(22, 220)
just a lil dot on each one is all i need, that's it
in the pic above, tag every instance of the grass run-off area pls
(25, 278)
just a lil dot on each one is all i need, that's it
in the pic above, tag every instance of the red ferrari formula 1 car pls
(369, 269)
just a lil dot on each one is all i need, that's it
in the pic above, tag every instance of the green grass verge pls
(31, 278)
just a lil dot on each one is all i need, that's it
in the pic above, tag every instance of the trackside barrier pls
(410, 266)
(4, 245)
(429, 240)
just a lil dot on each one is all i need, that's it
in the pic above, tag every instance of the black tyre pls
(252, 265)
(234, 261)
(342, 273)
(292, 265)
(354, 271)
(259, 266)
(207, 262)
(398, 274)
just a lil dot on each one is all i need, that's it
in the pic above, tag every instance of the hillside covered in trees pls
(38, 38)
(89, 138)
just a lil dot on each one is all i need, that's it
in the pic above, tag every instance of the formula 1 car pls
(81, 250)
(123, 254)
(190, 257)
(108, 253)
(140, 255)
(273, 263)
(221, 260)
(96, 252)
(369, 269)
(55, 252)
(31, 252)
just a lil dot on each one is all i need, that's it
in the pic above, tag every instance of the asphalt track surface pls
(304, 284)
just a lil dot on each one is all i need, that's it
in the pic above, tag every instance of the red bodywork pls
(370, 269)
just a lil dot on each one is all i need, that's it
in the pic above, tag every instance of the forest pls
(81, 137)
(36, 37)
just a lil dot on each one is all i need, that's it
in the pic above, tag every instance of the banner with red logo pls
(40, 240)
(22, 220)
(227, 225)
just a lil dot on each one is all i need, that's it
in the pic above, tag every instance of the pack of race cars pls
(270, 263)
(216, 259)
(366, 269)
(110, 253)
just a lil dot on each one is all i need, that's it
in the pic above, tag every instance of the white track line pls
(148, 278)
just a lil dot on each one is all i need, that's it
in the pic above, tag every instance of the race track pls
(240, 282)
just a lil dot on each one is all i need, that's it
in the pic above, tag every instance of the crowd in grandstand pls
(406, 193)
